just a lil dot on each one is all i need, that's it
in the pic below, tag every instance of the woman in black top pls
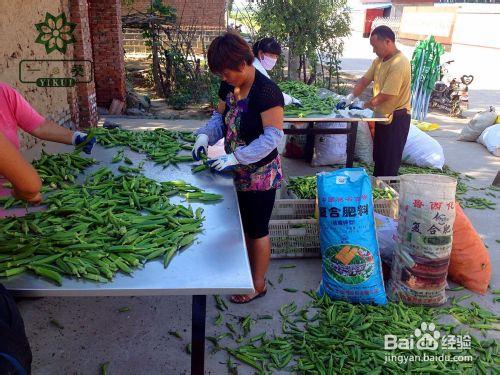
(249, 117)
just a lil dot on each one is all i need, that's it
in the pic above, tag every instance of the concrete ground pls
(138, 341)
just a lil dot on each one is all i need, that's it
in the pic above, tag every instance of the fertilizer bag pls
(425, 234)
(351, 265)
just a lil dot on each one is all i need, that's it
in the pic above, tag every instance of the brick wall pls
(85, 92)
(133, 43)
(206, 13)
(107, 49)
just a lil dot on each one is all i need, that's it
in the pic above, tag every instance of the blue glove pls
(346, 102)
(111, 125)
(358, 104)
(341, 105)
(79, 137)
(224, 163)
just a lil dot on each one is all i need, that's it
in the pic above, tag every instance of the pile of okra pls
(161, 145)
(109, 223)
(311, 103)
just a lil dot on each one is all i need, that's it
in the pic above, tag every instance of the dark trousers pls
(388, 144)
(13, 340)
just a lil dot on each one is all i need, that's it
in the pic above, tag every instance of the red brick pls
(199, 12)
(107, 40)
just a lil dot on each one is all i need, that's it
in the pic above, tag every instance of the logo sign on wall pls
(55, 73)
(55, 33)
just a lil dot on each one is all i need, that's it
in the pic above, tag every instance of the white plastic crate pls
(386, 207)
(290, 209)
(294, 232)
(392, 181)
(294, 238)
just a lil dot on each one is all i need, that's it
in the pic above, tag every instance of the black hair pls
(384, 32)
(228, 51)
(267, 45)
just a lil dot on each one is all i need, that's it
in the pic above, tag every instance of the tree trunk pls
(293, 65)
(304, 67)
(156, 63)
(330, 72)
(322, 68)
(168, 74)
(312, 78)
(337, 66)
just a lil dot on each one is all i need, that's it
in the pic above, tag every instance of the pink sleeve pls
(26, 116)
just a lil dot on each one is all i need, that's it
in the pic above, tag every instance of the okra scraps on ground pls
(108, 224)
(161, 145)
(336, 337)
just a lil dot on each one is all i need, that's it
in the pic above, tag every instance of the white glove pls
(223, 163)
(357, 104)
(350, 98)
(290, 100)
(200, 146)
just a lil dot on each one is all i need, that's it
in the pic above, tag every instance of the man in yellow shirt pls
(390, 73)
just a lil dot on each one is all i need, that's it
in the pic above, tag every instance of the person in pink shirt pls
(16, 112)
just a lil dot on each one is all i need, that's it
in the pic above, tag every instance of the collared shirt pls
(391, 77)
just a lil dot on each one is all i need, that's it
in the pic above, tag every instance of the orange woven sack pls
(469, 261)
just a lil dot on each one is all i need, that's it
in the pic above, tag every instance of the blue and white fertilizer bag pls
(352, 270)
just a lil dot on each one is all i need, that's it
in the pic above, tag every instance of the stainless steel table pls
(351, 131)
(217, 263)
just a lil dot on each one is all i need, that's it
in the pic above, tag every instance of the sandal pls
(245, 298)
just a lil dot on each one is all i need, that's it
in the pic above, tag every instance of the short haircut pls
(228, 51)
(267, 45)
(384, 32)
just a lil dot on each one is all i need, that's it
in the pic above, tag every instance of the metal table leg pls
(198, 335)
(309, 147)
(351, 143)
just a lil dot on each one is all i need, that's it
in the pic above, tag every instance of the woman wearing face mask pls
(266, 52)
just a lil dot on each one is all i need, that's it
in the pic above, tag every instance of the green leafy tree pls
(309, 28)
